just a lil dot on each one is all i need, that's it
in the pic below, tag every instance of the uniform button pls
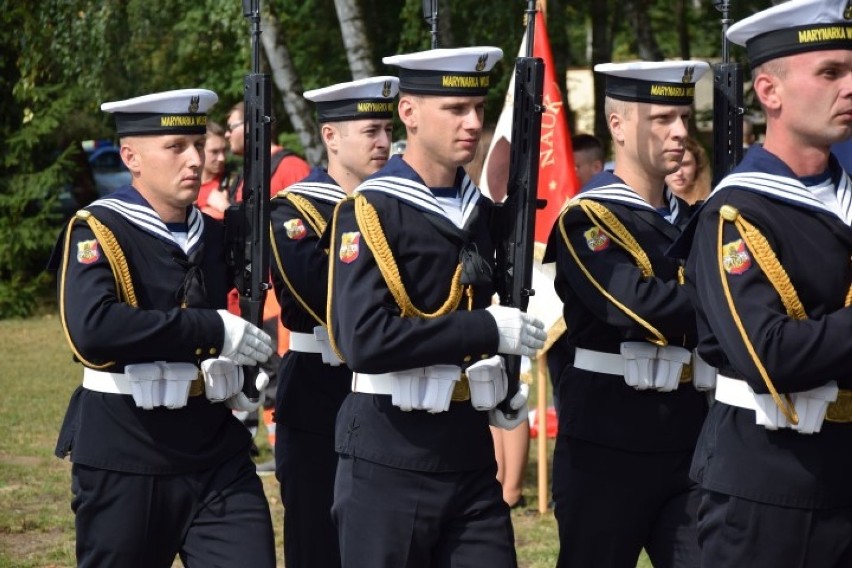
(199, 351)
(213, 350)
(467, 358)
(484, 356)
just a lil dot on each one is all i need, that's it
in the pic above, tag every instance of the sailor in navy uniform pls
(160, 465)
(769, 267)
(356, 121)
(411, 281)
(628, 416)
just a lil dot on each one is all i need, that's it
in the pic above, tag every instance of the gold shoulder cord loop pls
(318, 224)
(332, 253)
(307, 209)
(616, 231)
(768, 262)
(371, 229)
(658, 338)
(118, 264)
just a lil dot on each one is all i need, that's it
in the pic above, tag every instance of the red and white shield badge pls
(88, 251)
(596, 239)
(295, 229)
(735, 257)
(349, 246)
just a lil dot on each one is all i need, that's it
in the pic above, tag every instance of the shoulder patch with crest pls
(88, 251)
(596, 239)
(295, 229)
(349, 246)
(735, 257)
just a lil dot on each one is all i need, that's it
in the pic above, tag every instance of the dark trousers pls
(213, 518)
(738, 532)
(396, 518)
(305, 466)
(610, 504)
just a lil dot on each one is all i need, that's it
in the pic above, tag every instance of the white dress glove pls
(245, 343)
(222, 379)
(520, 333)
(519, 402)
(241, 402)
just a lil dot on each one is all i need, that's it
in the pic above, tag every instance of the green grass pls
(37, 525)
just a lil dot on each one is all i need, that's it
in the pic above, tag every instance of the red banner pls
(557, 179)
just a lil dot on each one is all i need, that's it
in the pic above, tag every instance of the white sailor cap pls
(365, 98)
(655, 82)
(463, 71)
(796, 26)
(183, 111)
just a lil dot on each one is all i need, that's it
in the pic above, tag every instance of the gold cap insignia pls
(193, 104)
(386, 89)
(847, 12)
(688, 74)
(480, 63)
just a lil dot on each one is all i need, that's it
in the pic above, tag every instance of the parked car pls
(108, 169)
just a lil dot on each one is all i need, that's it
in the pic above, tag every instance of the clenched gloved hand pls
(245, 343)
(520, 333)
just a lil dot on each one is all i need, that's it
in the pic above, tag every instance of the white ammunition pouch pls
(316, 342)
(329, 357)
(639, 364)
(489, 383)
(703, 375)
(811, 405)
(160, 383)
(422, 388)
(643, 365)
(222, 379)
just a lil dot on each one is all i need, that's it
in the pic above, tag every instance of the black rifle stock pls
(247, 224)
(515, 253)
(727, 106)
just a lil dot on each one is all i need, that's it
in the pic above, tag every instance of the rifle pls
(727, 105)
(430, 14)
(515, 252)
(247, 224)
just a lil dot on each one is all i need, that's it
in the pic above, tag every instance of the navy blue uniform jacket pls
(373, 338)
(601, 408)
(175, 321)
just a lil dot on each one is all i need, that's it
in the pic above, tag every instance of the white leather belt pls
(101, 381)
(735, 392)
(373, 384)
(599, 361)
(304, 343)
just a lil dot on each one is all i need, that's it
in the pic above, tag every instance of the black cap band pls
(814, 37)
(147, 123)
(354, 109)
(654, 92)
(446, 83)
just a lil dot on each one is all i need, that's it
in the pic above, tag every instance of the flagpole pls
(541, 373)
(541, 415)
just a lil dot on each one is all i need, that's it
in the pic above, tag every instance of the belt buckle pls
(686, 373)
(840, 411)
(196, 387)
(461, 390)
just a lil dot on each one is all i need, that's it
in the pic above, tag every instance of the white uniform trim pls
(373, 384)
(599, 361)
(111, 383)
(304, 343)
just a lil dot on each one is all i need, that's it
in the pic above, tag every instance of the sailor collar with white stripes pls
(130, 204)
(400, 181)
(763, 172)
(615, 190)
(318, 185)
